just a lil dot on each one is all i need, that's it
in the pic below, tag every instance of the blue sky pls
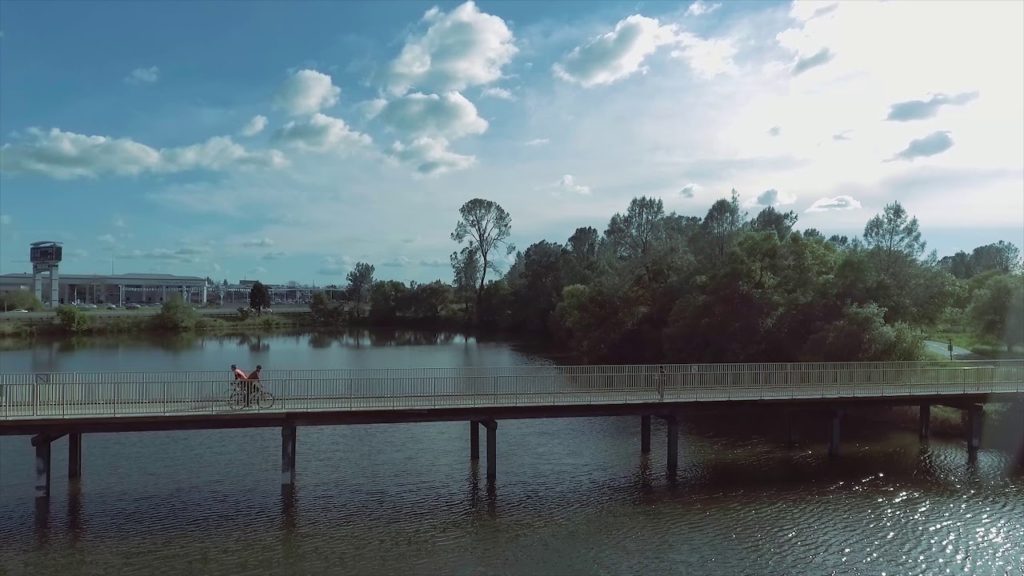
(286, 141)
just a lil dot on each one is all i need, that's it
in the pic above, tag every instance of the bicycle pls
(257, 395)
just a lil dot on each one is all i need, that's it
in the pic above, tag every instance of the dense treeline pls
(662, 287)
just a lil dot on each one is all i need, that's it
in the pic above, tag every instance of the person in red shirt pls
(241, 376)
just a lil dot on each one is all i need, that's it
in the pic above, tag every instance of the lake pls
(573, 496)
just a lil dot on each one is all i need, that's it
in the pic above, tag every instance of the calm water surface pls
(573, 496)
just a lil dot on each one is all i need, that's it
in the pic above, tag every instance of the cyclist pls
(242, 382)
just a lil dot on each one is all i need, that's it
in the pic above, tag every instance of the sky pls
(287, 141)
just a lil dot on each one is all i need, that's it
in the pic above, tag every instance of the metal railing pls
(105, 394)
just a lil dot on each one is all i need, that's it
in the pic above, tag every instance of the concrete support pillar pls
(492, 449)
(204, 295)
(833, 443)
(43, 468)
(74, 455)
(974, 422)
(474, 440)
(645, 434)
(37, 286)
(926, 423)
(288, 454)
(672, 430)
(54, 287)
(120, 295)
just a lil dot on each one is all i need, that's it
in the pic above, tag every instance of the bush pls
(20, 300)
(175, 316)
(72, 320)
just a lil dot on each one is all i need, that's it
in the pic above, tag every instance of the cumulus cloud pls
(307, 92)
(568, 183)
(274, 255)
(255, 125)
(819, 58)
(258, 243)
(336, 265)
(773, 197)
(536, 142)
(699, 8)
(844, 135)
(775, 130)
(462, 48)
(497, 93)
(837, 203)
(615, 55)
(689, 190)
(143, 76)
(67, 155)
(448, 115)
(707, 57)
(430, 156)
(320, 133)
(930, 145)
(920, 109)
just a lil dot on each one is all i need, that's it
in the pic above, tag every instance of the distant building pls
(117, 289)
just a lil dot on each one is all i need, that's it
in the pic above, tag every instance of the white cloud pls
(615, 55)
(119, 222)
(462, 48)
(430, 156)
(921, 109)
(400, 262)
(568, 183)
(258, 243)
(67, 155)
(449, 115)
(107, 239)
(6, 219)
(307, 92)
(336, 265)
(837, 203)
(707, 57)
(320, 133)
(143, 75)
(775, 130)
(497, 93)
(805, 63)
(773, 197)
(689, 190)
(700, 8)
(274, 255)
(930, 145)
(186, 254)
(254, 126)
(536, 142)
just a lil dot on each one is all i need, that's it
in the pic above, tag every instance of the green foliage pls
(72, 320)
(771, 220)
(360, 280)
(324, 311)
(19, 300)
(997, 309)
(894, 235)
(175, 315)
(467, 271)
(862, 334)
(389, 299)
(259, 297)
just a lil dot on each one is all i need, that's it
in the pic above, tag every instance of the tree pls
(633, 235)
(175, 315)
(487, 227)
(1002, 257)
(997, 309)
(323, 310)
(72, 320)
(771, 220)
(466, 267)
(259, 297)
(19, 300)
(958, 265)
(894, 234)
(389, 299)
(721, 224)
(360, 279)
(862, 334)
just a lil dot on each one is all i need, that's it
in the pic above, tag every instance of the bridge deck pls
(55, 398)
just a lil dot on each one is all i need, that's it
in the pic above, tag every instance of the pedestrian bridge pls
(50, 405)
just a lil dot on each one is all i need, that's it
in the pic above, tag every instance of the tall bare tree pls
(486, 226)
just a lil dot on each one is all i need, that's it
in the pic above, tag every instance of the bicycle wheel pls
(237, 399)
(264, 399)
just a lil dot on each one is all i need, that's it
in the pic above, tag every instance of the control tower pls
(45, 257)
